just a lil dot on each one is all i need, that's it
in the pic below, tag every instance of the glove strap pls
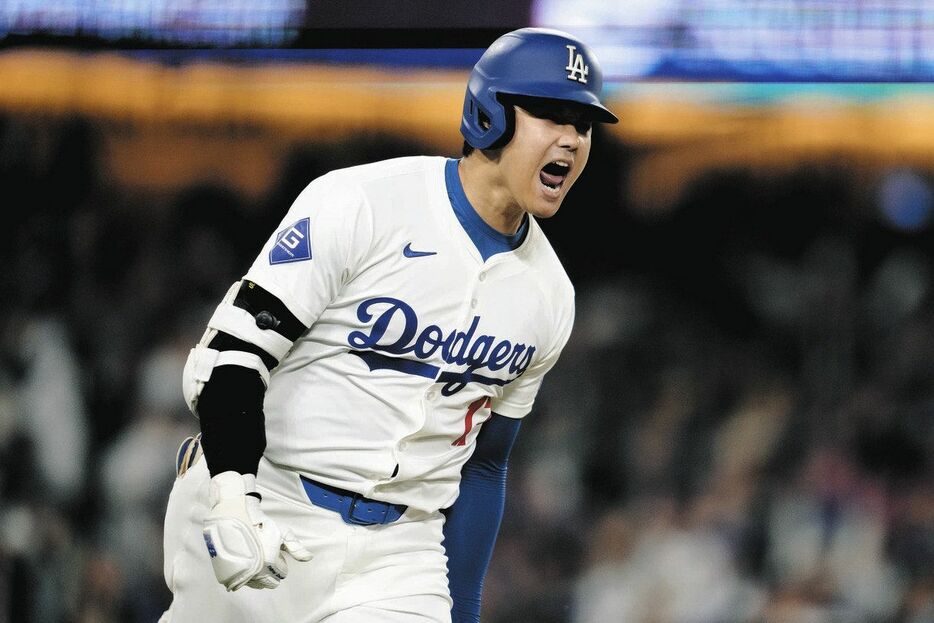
(228, 485)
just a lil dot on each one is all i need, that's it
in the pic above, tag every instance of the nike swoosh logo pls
(408, 252)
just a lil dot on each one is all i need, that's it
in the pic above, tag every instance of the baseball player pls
(360, 388)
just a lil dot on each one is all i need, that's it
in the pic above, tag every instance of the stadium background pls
(740, 428)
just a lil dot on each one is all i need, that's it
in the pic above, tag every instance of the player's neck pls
(488, 193)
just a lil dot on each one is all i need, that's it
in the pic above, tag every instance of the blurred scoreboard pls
(693, 40)
(754, 40)
(261, 23)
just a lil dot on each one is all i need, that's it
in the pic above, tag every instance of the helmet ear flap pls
(489, 129)
(508, 124)
(481, 120)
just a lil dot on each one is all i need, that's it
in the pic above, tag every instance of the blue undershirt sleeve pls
(473, 520)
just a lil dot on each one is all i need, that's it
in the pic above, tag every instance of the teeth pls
(556, 167)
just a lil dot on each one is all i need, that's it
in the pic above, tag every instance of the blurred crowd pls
(739, 429)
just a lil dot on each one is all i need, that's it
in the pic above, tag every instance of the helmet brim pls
(594, 111)
(602, 115)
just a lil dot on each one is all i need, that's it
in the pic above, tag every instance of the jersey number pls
(475, 406)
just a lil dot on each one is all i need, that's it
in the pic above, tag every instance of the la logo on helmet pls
(576, 68)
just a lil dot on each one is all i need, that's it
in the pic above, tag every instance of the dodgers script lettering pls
(461, 348)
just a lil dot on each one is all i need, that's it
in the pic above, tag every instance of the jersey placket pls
(432, 396)
(471, 307)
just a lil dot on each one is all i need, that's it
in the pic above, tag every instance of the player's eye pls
(561, 115)
(580, 124)
(583, 127)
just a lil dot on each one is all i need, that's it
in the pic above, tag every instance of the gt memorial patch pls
(292, 244)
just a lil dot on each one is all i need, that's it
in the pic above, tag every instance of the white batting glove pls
(246, 547)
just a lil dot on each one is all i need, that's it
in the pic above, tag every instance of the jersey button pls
(432, 395)
(473, 303)
(482, 276)
(403, 445)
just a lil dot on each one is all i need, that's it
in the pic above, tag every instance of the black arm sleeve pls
(230, 408)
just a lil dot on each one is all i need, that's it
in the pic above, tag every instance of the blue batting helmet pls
(535, 62)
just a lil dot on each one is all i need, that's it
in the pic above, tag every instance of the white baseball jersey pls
(414, 339)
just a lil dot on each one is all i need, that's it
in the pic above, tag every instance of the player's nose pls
(568, 137)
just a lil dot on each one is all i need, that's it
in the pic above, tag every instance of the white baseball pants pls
(394, 573)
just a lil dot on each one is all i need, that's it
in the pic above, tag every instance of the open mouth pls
(553, 174)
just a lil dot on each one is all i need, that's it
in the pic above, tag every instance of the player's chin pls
(547, 200)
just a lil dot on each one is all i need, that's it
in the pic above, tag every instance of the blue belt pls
(353, 507)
